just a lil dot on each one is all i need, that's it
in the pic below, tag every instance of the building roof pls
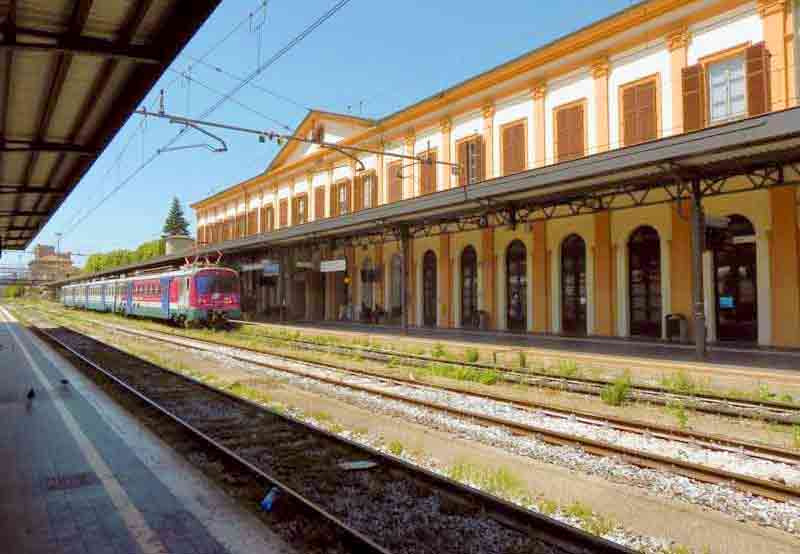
(71, 73)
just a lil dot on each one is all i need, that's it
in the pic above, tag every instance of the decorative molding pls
(488, 110)
(539, 90)
(770, 7)
(600, 68)
(678, 38)
(446, 124)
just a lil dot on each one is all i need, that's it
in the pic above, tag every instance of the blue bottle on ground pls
(269, 500)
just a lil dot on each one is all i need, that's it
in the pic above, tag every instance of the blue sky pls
(372, 58)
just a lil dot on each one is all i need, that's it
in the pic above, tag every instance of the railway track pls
(777, 412)
(387, 388)
(389, 506)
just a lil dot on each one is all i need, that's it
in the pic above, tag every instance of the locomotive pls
(191, 296)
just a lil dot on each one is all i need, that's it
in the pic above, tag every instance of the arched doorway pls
(469, 287)
(573, 285)
(735, 270)
(517, 286)
(644, 282)
(396, 291)
(429, 289)
(367, 279)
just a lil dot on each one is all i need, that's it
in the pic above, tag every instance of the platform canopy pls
(71, 73)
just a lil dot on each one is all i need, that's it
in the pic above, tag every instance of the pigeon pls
(64, 382)
(31, 394)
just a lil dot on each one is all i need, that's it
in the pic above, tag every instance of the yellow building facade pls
(654, 75)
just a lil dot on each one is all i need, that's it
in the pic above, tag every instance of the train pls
(190, 296)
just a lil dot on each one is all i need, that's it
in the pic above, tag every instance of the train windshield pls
(217, 282)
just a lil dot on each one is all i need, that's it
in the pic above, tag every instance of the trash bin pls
(677, 327)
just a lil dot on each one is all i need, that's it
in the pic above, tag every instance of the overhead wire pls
(225, 98)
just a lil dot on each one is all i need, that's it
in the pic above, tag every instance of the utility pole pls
(698, 246)
(404, 257)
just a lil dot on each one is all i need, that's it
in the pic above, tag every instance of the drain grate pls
(70, 482)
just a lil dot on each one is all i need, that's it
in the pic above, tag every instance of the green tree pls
(118, 258)
(176, 223)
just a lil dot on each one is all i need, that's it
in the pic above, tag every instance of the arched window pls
(735, 267)
(517, 286)
(573, 285)
(644, 282)
(396, 284)
(469, 288)
(429, 289)
(367, 277)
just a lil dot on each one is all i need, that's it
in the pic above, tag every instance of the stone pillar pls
(677, 41)
(539, 125)
(773, 18)
(603, 275)
(681, 261)
(488, 138)
(785, 267)
(446, 282)
(540, 279)
(600, 75)
(489, 267)
(447, 180)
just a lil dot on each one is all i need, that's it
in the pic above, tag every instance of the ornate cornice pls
(446, 125)
(599, 68)
(538, 90)
(679, 38)
(770, 7)
(488, 110)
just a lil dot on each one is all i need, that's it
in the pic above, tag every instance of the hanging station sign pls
(304, 265)
(252, 267)
(271, 268)
(332, 266)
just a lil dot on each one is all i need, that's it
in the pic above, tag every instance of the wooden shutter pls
(358, 193)
(480, 166)
(693, 104)
(578, 132)
(375, 189)
(319, 203)
(758, 79)
(428, 173)
(513, 140)
(562, 134)
(639, 113)
(629, 117)
(463, 162)
(283, 213)
(395, 182)
(334, 199)
(252, 222)
(570, 132)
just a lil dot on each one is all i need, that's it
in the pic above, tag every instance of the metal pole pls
(698, 246)
(404, 254)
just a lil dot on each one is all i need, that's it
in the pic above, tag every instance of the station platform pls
(81, 476)
(598, 349)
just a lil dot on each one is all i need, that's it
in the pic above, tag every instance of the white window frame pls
(727, 64)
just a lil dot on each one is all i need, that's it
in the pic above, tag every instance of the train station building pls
(551, 194)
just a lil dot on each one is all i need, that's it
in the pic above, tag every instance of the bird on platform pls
(31, 394)
(64, 382)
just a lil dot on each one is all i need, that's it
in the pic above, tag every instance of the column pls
(489, 284)
(311, 201)
(409, 169)
(447, 127)
(677, 42)
(380, 175)
(539, 125)
(785, 267)
(328, 188)
(600, 75)
(540, 284)
(352, 275)
(681, 261)
(446, 282)
(488, 138)
(380, 283)
(405, 253)
(773, 18)
(603, 275)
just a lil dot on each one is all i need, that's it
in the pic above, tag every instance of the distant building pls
(49, 265)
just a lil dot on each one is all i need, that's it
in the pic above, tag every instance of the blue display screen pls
(726, 302)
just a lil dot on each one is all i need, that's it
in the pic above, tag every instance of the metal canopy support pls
(405, 251)
(698, 246)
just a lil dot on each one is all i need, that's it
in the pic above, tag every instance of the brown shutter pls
(629, 116)
(319, 203)
(463, 166)
(283, 213)
(332, 193)
(562, 134)
(348, 195)
(375, 190)
(480, 166)
(693, 104)
(252, 222)
(578, 129)
(758, 81)
(647, 111)
(395, 182)
(428, 173)
(513, 148)
(358, 193)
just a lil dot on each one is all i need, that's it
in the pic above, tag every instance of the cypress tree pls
(176, 223)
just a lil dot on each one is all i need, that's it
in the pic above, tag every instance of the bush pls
(616, 393)
(471, 355)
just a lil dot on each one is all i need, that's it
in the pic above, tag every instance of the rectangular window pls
(300, 210)
(252, 222)
(394, 181)
(365, 191)
(470, 161)
(727, 97)
(267, 219)
(570, 132)
(427, 172)
(283, 213)
(639, 112)
(319, 203)
(514, 151)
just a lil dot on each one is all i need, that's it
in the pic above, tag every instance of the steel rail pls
(539, 376)
(539, 527)
(761, 487)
